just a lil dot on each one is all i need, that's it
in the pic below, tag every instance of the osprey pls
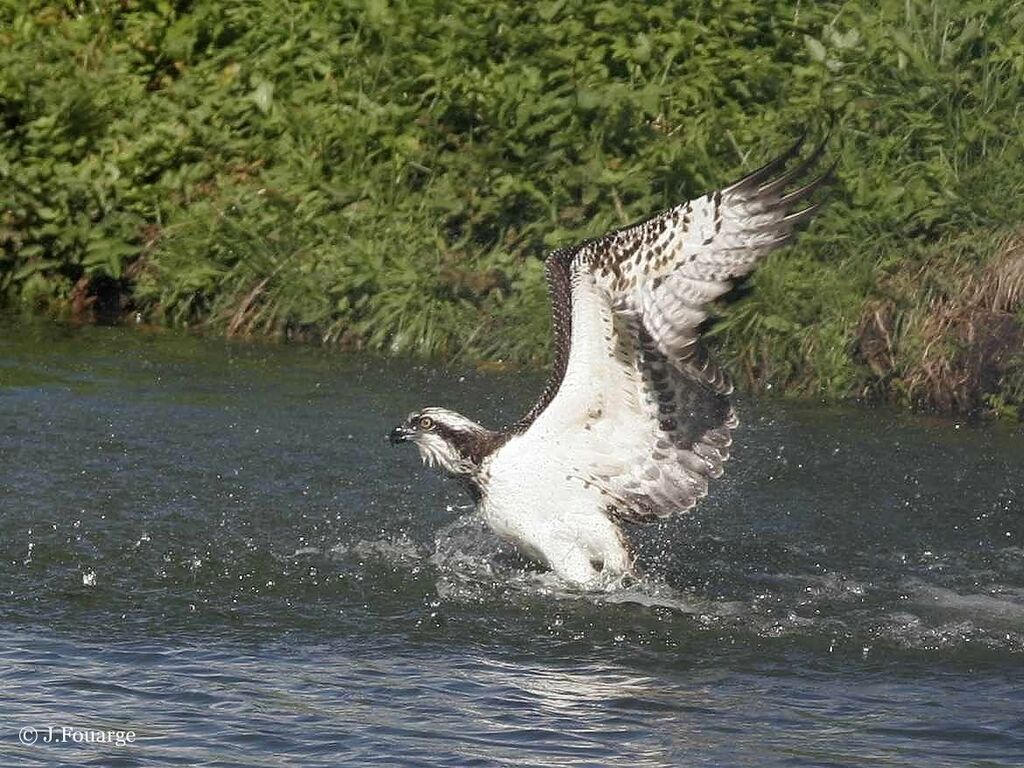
(635, 419)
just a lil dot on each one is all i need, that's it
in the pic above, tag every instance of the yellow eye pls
(426, 423)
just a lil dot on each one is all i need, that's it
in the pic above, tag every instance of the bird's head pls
(456, 444)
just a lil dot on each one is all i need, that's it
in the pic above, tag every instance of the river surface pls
(213, 546)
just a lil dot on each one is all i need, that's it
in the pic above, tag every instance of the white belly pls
(532, 500)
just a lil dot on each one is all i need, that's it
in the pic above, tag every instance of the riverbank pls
(388, 177)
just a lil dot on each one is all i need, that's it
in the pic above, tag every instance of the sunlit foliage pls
(387, 175)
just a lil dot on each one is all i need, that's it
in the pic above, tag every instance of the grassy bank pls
(387, 175)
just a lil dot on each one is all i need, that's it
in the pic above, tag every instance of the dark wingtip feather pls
(777, 185)
(807, 190)
(799, 217)
(769, 169)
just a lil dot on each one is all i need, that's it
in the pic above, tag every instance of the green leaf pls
(815, 48)
(263, 96)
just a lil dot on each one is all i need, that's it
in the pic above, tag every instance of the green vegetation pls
(386, 175)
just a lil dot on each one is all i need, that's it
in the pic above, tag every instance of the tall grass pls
(387, 175)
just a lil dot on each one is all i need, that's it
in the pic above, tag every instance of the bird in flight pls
(635, 418)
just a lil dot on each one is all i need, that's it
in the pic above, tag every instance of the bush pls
(387, 175)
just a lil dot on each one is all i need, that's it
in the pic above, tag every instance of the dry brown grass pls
(1001, 285)
(246, 313)
(950, 352)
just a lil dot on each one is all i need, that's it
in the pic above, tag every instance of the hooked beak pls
(399, 434)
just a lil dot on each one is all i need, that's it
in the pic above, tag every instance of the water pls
(212, 545)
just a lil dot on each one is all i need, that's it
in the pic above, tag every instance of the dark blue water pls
(212, 545)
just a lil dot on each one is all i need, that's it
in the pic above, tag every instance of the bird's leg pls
(617, 559)
(572, 563)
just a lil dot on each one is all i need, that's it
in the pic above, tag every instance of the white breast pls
(533, 500)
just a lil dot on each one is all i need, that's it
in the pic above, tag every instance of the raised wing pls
(634, 405)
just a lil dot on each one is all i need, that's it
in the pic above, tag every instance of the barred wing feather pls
(634, 406)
